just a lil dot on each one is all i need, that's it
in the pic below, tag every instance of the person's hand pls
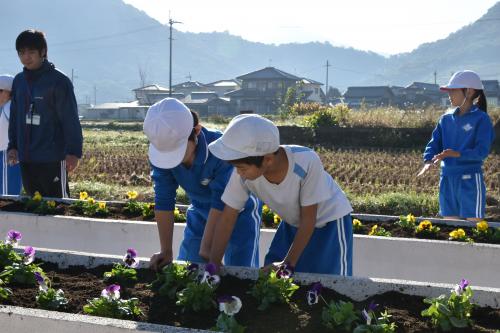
(445, 154)
(12, 157)
(160, 259)
(426, 168)
(283, 268)
(71, 162)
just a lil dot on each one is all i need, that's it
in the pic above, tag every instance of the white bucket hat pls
(464, 79)
(246, 135)
(6, 82)
(167, 126)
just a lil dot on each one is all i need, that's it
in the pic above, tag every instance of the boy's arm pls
(165, 223)
(435, 145)
(303, 235)
(223, 230)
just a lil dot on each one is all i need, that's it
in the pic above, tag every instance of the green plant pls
(20, 273)
(357, 226)
(7, 255)
(379, 231)
(229, 306)
(4, 291)
(148, 210)
(197, 296)
(453, 311)
(407, 222)
(376, 324)
(339, 316)
(110, 305)
(172, 278)
(178, 216)
(51, 299)
(322, 118)
(273, 287)
(460, 236)
(121, 274)
(426, 229)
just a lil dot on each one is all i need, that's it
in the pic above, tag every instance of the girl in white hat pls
(461, 142)
(10, 181)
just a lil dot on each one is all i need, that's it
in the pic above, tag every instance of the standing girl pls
(461, 142)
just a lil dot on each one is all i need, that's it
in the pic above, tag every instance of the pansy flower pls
(230, 305)
(209, 275)
(111, 292)
(29, 255)
(313, 293)
(285, 271)
(41, 281)
(459, 288)
(368, 315)
(130, 258)
(13, 237)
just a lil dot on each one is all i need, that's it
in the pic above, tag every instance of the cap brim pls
(223, 152)
(167, 160)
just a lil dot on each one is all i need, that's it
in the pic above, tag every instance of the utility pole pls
(95, 95)
(326, 85)
(171, 22)
(435, 77)
(189, 77)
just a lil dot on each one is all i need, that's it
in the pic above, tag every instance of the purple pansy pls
(459, 288)
(193, 267)
(313, 293)
(13, 237)
(29, 255)
(285, 271)
(209, 275)
(111, 292)
(369, 314)
(130, 258)
(41, 281)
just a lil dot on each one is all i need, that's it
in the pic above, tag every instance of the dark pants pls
(50, 179)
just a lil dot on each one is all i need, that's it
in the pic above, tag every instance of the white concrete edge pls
(356, 288)
(45, 320)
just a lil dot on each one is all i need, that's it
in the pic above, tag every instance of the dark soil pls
(81, 284)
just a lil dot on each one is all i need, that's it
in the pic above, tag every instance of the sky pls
(385, 26)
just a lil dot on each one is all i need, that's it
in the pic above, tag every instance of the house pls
(148, 95)
(262, 90)
(422, 94)
(208, 104)
(492, 92)
(223, 86)
(370, 96)
(312, 90)
(117, 111)
(188, 87)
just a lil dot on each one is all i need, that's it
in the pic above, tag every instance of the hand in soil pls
(160, 259)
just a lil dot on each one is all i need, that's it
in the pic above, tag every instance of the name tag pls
(464, 177)
(35, 120)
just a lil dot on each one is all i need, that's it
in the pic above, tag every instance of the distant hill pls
(106, 42)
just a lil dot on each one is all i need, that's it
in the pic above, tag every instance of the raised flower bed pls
(374, 256)
(80, 275)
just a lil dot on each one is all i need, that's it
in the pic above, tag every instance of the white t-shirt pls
(306, 183)
(4, 126)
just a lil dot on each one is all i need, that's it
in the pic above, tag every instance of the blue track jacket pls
(470, 134)
(48, 94)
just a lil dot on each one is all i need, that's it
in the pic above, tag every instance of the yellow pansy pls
(91, 200)
(37, 196)
(374, 230)
(457, 233)
(277, 219)
(357, 223)
(265, 209)
(51, 204)
(425, 225)
(83, 195)
(132, 195)
(411, 219)
(102, 205)
(482, 226)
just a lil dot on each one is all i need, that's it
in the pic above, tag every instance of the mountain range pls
(104, 45)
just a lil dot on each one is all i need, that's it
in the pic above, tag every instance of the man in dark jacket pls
(45, 135)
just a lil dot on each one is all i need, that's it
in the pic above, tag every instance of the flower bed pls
(81, 277)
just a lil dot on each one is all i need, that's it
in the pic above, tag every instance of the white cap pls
(464, 79)
(6, 82)
(168, 125)
(246, 135)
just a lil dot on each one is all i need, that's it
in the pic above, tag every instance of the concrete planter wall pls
(381, 257)
(21, 320)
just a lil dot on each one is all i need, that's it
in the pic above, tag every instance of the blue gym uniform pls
(462, 191)
(204, 184)
(10, 182)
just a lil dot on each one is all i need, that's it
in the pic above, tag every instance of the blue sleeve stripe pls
(299, 149)
(297, 169)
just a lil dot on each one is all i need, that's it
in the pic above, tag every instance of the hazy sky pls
(384, 26)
